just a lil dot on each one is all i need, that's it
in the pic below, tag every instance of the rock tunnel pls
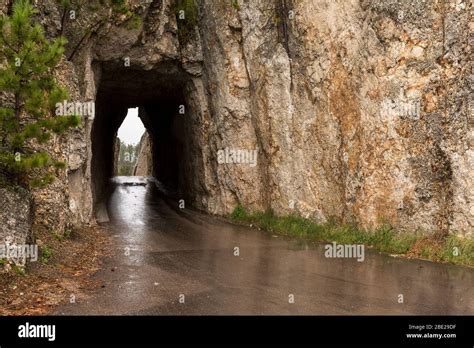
(160, 96)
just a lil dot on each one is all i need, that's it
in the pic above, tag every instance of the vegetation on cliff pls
(187, 17)
(27, 63)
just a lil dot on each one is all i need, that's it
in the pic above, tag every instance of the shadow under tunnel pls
(159, 95)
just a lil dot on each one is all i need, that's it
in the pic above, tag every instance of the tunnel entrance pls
(160, 98)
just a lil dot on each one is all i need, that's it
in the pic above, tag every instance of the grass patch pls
(134, 22)
(235, 4)
(61, 236)
(67, 233)
(384, 239)
(46, 253)
(18, 270)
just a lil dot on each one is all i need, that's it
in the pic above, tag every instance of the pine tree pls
(27, 62)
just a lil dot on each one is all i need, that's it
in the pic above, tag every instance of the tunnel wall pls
(109, 117)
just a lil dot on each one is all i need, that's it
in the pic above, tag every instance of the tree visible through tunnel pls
(128, 144)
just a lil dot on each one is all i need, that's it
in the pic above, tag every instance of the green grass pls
(464, 251)
(61, 236)
(235, 4)
(18, 270)
(67, 233)
(46, 254)
(134, 22)
(384, 239)
(187, 18)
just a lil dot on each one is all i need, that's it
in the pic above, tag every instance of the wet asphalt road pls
(165, 255)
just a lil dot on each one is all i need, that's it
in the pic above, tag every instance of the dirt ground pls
(64, 276)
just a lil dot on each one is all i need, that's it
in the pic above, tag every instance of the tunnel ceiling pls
(130, 86)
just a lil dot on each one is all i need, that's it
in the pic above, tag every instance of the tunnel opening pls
(132, 139)
(159, 95)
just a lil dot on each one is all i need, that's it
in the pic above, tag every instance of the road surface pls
(172, 261)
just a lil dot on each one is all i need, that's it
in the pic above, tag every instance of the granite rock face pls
(15, 230)
(354, 110)
(360, 109)
(144, 166)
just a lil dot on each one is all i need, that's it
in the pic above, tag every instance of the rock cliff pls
(144, 166)
(357, 110)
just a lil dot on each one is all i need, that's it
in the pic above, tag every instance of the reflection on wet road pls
(172, 261)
